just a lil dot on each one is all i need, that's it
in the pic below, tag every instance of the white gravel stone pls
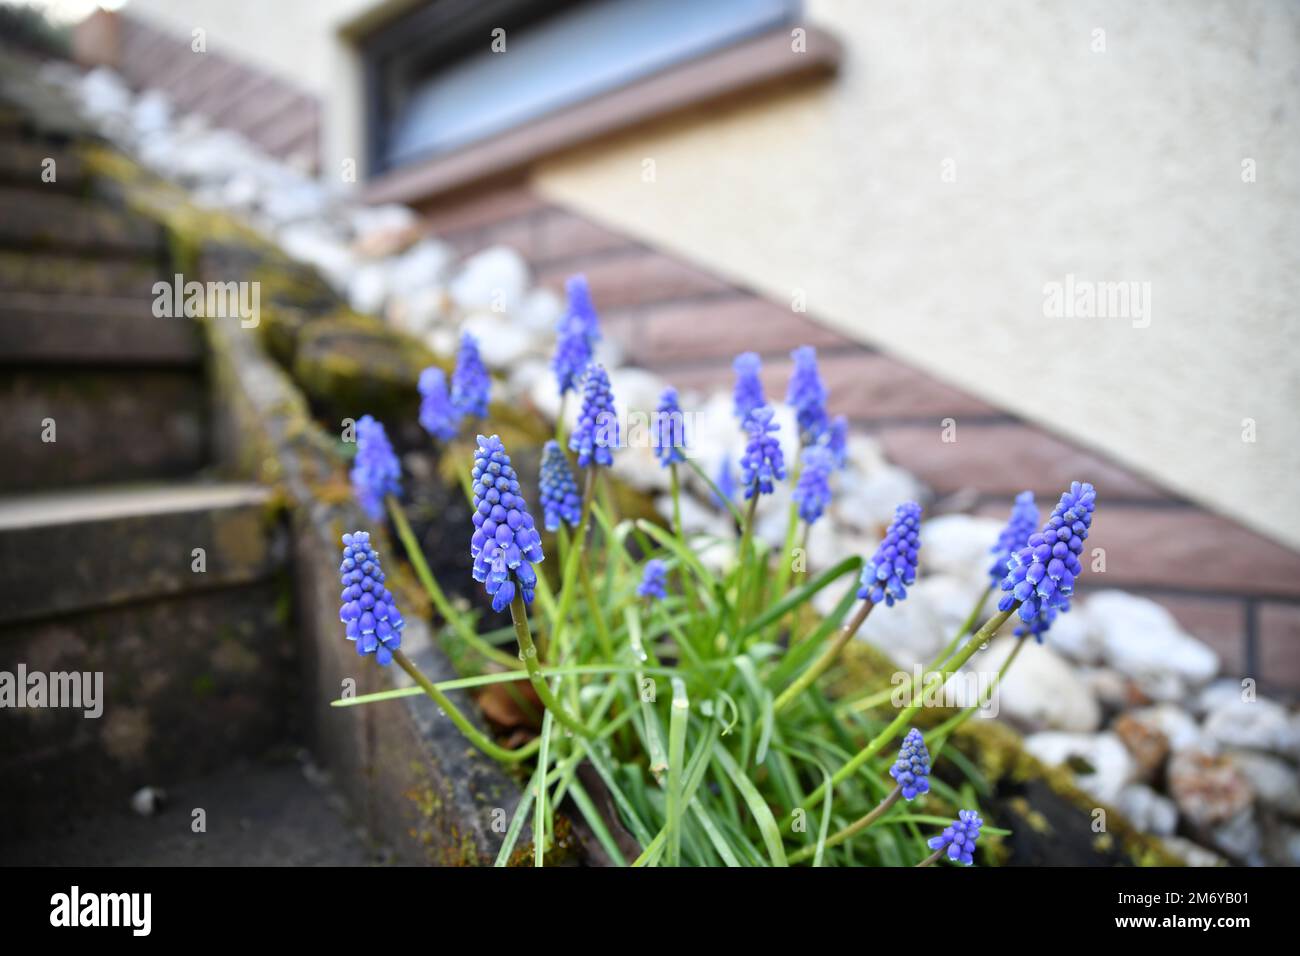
(1112, 768)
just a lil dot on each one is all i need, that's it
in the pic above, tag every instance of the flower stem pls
(571, 560)
(819, 666)
(933, 857)
(676, 484)
(528, 652)
(854, 828)
(746, 546)
(904, 717)
(435, 592)
(941, 733)
(965, 629)
(472, 733)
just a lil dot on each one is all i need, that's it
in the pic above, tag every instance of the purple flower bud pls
(813, 491)
(438, 416)
(654, 581)
(807, 395)
(726, 482)
(669, 430)
(1023, 521)
(470, 382)
(1041, 574)
(505, 545)
(960, 838)
(560, 500)
(893, 567)
(596, 433)
(763, 462)
(748, 394)
(837, 440)
(581, 313)
(576, 336)
(367, 607)
(911, 771)
(375, 469)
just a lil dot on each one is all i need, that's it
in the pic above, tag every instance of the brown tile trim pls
(763, 60)
(275, 114)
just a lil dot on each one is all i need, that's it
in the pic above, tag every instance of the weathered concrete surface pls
(109, 424)
(274, 814)
(108, 547)
(188, 685)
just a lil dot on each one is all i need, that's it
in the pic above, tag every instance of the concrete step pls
(39, 329)
(63, 273)
(273, 813)
(74, 551)
(66, 426)
(41, 166)
(150, 693)
(47, 219)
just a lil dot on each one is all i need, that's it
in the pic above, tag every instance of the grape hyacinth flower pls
(960, 837)
(748, 394)
(911, 771)
(597, 429)
(576, 336)
(581, 314)
(762, 463)
(654, 581)
(1023, 521)
(438, 416)
(836, 439)
(807, 395)
(812, 493)
(470, 382)
(726, 483)
(375, 469)
(367, 607)
(1041, 575)
(505, 545)
(669, 429)
(893, 567)
(561, 502)
(1040, 624)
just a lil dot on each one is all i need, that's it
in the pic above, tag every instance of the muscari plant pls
(699, 697)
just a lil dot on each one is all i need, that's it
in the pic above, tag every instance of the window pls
(435, 85)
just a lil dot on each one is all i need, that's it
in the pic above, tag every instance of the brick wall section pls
(276, 115)
(1230, 587)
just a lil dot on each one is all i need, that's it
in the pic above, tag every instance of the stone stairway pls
(127, 559)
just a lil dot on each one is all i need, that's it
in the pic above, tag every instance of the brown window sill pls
(758, 62)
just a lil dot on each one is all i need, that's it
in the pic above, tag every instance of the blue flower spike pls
(726, 482)
(748, 393)
(807, 395)
(836, 439)
(669, 430)
(812, 493)
(1022, 523)
(366, 606)
(763, 463)
(561, 503)
(960, 837)
(596, 434)
(911, 771)
(576, 336)
(654, 581)
(376, 471)
(1041, 574)
(505, 545)
(892, 568)
(470, 382)
(438, 416)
